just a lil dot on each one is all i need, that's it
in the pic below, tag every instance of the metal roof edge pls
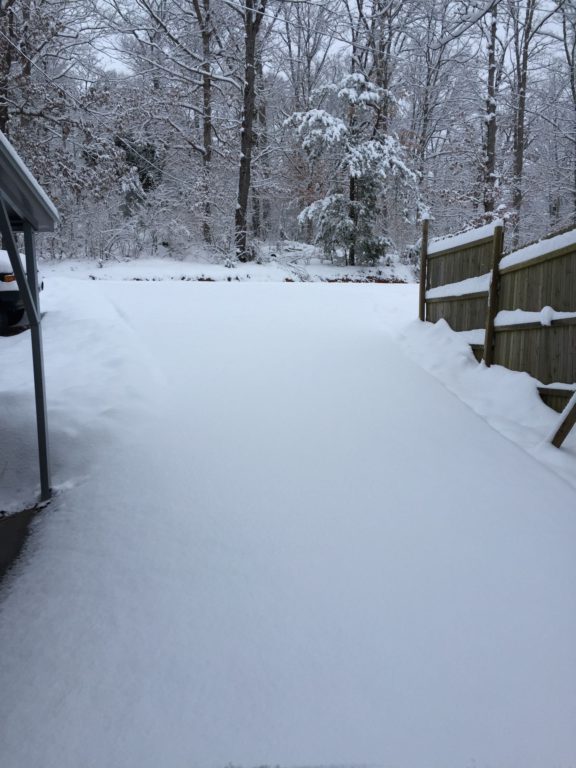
(28, 184)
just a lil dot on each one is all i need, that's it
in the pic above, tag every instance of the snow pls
(5, 263)
(381, 158)
(279, 540)
(6, 267)
(546, 316)
(317, 127)
(539, 249)
(465, 238)
(471, 285)
(356, 89)
(291, 262)
(520, 316)
(557, 384)
(474, 336)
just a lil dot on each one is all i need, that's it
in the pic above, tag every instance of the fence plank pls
(461, 297)
(471, 260)
(462, 313)
(533, 285)
(548, 353)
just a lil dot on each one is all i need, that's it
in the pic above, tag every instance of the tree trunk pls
(518, 163)
(489, 195)
(253, 11)
(203, 16)
(261, 202)
(522, 38)
(569, 37)
(354, 216)
(256, 213)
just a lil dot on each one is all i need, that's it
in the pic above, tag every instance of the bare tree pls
(528, 19)
(204, 18)
(569, 44)
(497, 42)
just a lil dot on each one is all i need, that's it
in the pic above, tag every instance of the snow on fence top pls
(464, 238)
(471, 285)
(541, 248)
(521, 317)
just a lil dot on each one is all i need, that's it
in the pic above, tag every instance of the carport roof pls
(24, 198)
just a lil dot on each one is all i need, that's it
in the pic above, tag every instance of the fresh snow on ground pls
(287, 532)
(297, 264)
(507, 400)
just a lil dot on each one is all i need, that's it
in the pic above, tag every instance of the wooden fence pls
(444, 266)
(520, 307)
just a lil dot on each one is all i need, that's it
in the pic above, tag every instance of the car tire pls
(10, 317)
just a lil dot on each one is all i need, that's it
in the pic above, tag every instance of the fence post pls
(493, 292)
(423, 268)
(567, 421)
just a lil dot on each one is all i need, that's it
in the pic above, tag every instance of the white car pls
(11, 304)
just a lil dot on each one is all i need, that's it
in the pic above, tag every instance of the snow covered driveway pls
(278, 541)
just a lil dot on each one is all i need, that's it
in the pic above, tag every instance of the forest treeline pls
(158, 124)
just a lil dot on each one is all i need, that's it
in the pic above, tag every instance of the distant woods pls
(158, 124)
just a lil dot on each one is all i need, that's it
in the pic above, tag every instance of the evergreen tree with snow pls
(368, 162)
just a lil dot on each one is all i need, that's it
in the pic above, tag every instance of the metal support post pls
(38, 363)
